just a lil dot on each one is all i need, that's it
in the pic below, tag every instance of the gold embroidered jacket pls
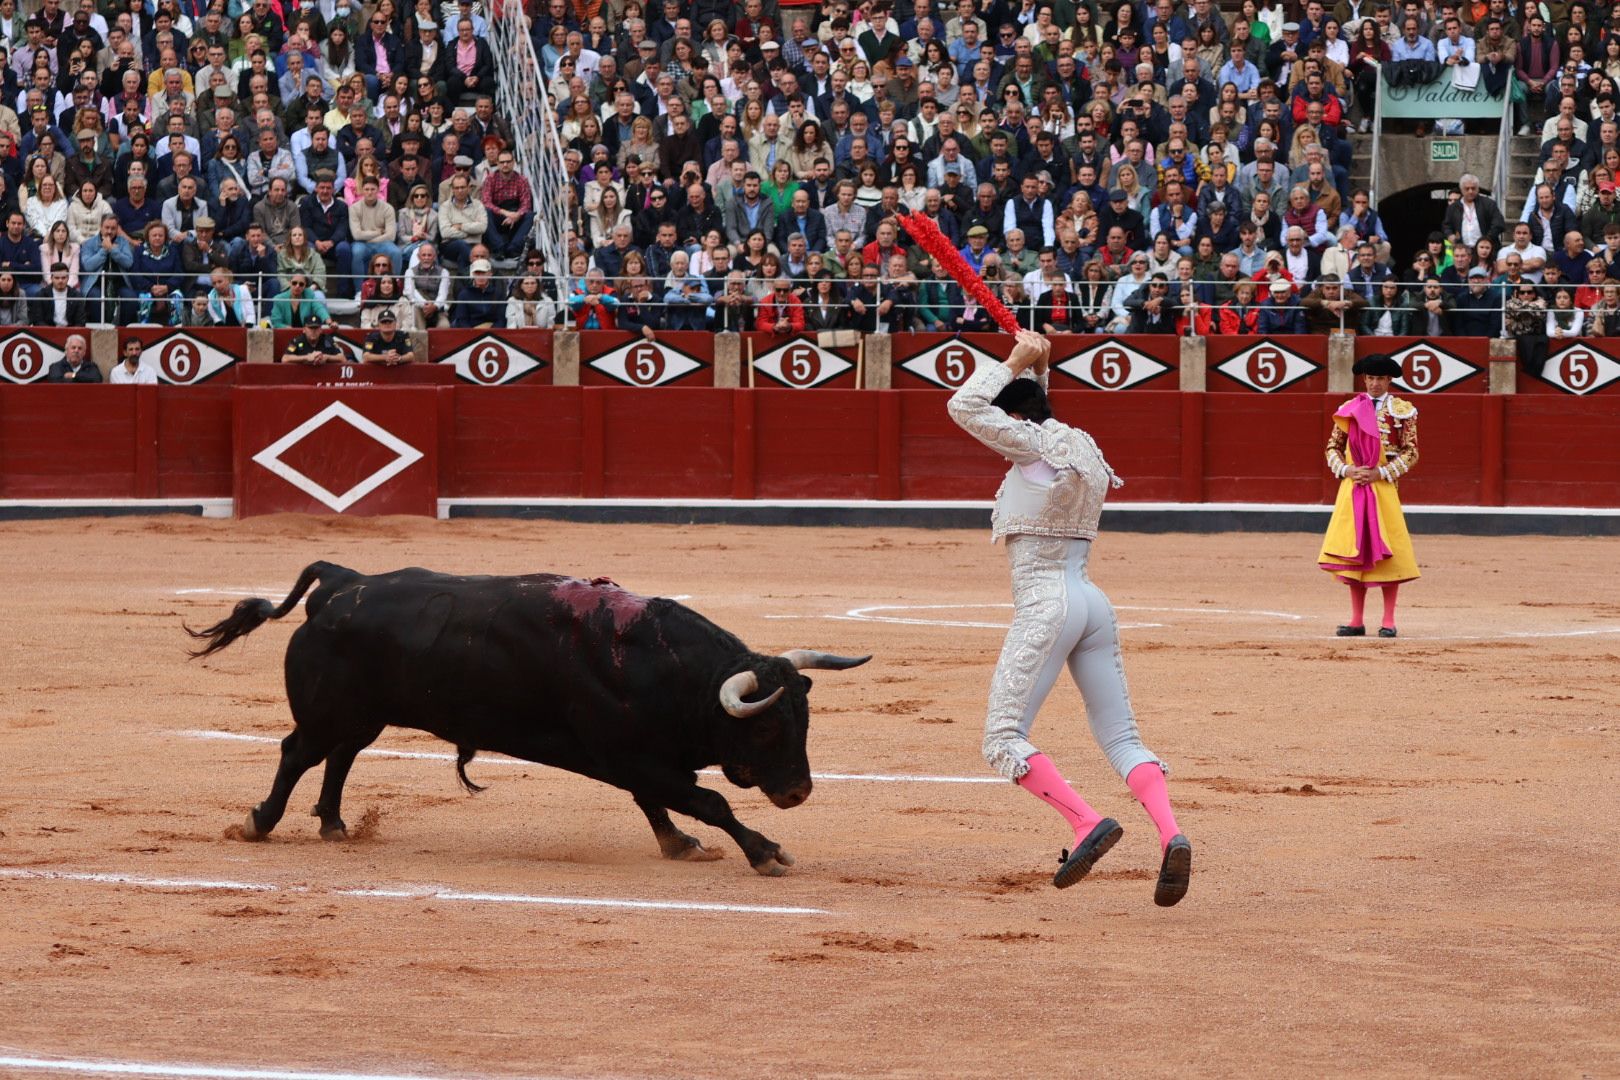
(1397, 434)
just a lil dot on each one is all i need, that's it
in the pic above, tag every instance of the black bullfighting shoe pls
(1350, 631)
(1078, 863)
(1175, 873)
(1386, 631)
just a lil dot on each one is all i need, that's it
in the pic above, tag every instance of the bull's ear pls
(808, 682)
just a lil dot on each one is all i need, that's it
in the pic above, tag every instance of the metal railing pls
(537, 143)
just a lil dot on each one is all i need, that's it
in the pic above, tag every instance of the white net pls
(522, 97)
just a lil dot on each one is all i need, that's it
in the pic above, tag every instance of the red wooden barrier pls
(315, 450)
(531, 439)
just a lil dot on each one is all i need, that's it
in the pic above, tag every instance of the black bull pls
(636, 692)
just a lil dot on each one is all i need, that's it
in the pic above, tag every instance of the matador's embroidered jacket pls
(1397, 435)
(1068, 506)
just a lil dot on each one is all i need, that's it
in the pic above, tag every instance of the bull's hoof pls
(694, 852)
(774, 865)
(335, 833)
(248, 830)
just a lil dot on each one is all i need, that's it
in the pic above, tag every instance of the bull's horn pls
(805, 659)
(739, 686)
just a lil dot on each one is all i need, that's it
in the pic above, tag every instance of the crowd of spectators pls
(237, 162)
(1148, 167)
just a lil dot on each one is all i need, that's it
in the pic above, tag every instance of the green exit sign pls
(1445, 150)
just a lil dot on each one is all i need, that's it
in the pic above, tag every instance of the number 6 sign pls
(25, 358)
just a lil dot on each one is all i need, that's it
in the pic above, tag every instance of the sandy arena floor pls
(1405, 850)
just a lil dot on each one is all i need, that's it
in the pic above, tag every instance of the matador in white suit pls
(1047, 511)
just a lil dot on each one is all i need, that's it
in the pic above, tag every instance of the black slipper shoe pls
(1175, 874)
(1350, 631)
(1078, 863)
(1386, 631)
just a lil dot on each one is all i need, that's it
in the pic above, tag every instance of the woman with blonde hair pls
(365, 166)
(417, 223)
(1304, 138)
(1138, 196)
(642, 145)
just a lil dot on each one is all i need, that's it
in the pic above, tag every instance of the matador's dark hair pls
(1026, 398)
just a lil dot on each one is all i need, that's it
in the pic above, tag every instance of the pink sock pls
(1147, 784)
(1358, 603)
(1389, 604)
(1047, 784)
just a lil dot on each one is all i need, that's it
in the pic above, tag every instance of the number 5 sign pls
(801, 364)
(1580, 369)
(1428, 369)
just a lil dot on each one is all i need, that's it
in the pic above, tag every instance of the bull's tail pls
(249, 615)
(464, 754)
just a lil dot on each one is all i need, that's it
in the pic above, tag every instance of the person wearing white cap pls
(479, 303)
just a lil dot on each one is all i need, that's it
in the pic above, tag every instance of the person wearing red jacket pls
(1240, 315)
(780, 312)
(1314, 88)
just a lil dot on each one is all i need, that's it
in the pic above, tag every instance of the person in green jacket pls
(298, 303)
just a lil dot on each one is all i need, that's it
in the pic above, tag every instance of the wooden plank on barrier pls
(65, 442)
(194, 443)
(336, 451)
(818, 446)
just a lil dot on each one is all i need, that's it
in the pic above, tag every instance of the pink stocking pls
(1047, 784)
(1147, 784)
(1358, 603)
(1390, 592)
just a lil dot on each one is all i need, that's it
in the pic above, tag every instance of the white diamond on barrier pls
(489, 361)
(1428, 368)
(183, 360)
(1112, 365)
(25, 358)
(949, 364)
(1267, 367)
(645, 363)
(1580, 369)
(801, 364)
(406, 455)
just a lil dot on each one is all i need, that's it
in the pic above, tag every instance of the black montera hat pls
(1026, 398)
(1377, 364)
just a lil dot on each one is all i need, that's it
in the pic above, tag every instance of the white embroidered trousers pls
(1059, 619)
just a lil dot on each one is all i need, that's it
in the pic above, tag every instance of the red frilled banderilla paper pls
(927, 234)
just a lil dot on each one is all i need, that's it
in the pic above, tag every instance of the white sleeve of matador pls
(1067, 500)
(1019, 441)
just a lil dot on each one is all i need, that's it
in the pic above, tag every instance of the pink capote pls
(1365, 448)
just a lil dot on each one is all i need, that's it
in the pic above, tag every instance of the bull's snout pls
(788, 798)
